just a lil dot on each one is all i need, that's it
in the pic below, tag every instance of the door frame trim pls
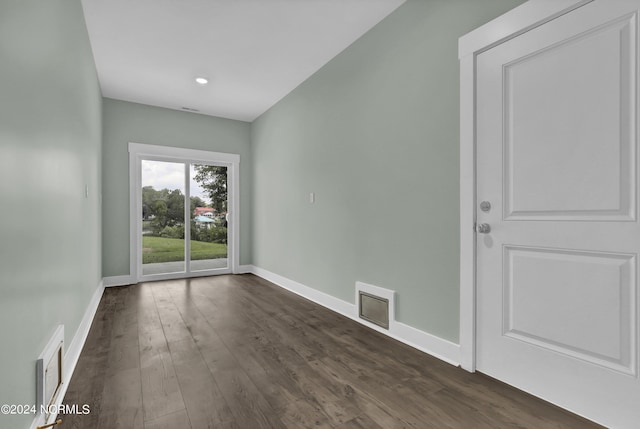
(139, 151)
(517, 21)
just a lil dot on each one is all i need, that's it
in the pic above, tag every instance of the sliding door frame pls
(139, 152)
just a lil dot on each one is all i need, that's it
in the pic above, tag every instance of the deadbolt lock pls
(485, 206)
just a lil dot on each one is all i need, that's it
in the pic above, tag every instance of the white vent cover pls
(374, 309)
(375, 305)
(49, 372)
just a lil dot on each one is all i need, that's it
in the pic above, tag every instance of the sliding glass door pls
(183, 214)
(208, 212)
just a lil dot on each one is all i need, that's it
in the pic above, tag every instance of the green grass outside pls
(160, 249)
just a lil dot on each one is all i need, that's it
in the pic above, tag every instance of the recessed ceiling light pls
(202, 80)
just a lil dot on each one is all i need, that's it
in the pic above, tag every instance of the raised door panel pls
(569, 128)
(554, 298)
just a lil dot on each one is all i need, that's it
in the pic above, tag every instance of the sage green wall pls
(374, 134)
(125, 122)
(50, 138)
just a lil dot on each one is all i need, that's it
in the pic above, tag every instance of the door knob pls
(483, 228)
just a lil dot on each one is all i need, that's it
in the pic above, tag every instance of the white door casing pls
(556, 156)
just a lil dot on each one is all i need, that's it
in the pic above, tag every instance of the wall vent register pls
(49, 374)
(373, 309)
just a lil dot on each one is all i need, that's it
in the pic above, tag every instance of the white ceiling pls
(254, 52)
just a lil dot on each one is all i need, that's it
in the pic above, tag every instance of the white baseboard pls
(423, 341)
(435, 346)
(332, 303)
(72, 352)
(118, 281)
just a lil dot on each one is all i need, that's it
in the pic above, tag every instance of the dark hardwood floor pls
(239, 352)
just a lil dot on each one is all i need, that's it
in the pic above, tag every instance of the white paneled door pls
(558, 235)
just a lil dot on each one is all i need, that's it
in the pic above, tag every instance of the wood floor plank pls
(335, 403)
(148, 316)
(273, 381)
(237, 352)
(160, 389)
(205, 403)
(248, 406)
(122, 401)
(362, 421)
(123, 353)
(302, 414)
(367, 390)
(179, 419)
(121, 398)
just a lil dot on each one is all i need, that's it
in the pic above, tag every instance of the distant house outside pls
(204, 211)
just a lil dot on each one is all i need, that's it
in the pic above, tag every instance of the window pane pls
(162, 217)
(208, 217)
